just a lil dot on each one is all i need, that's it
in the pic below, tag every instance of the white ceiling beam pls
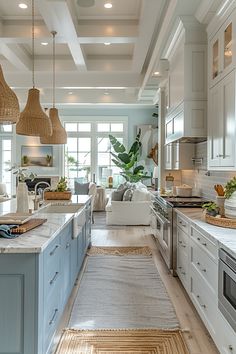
(73, 79)
(150, 16)
(156, 54)
(57, 17)
(16, 56)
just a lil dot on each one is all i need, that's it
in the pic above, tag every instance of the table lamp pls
(155, 177)
(108, 174)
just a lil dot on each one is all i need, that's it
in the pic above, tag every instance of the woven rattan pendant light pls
(59, 135)
(33, 121)
(9, 105)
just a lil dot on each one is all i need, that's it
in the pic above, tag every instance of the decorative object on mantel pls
(59, 135)
(60, 193)
(153, 154)
(9, 105)
(33, 121)
(230, 201)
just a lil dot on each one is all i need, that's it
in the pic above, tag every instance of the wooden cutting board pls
(29, 225)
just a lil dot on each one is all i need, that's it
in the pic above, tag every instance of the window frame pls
(94, 134)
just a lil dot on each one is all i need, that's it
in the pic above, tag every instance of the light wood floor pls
(196, 335)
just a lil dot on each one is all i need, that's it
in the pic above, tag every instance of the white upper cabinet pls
(221, 125)
(221, 93)
(222, 51)
(186, 118)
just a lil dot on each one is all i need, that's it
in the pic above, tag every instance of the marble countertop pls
(223, 237)
(36, 240)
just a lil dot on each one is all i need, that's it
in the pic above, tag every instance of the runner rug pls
(125, 342)
(122, 306)
(122, 292)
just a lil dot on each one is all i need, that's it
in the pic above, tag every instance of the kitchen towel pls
(5, 231)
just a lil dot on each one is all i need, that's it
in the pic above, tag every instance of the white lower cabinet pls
(197, 269)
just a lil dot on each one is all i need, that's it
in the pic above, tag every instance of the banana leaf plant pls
(127, 161)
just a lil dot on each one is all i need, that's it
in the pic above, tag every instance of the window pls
(6, 156)
(87, 152)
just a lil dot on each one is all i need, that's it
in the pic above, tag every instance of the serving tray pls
(222, 221)
(15, 218)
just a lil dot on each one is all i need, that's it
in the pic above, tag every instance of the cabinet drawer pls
(204, 243)
(182, 240)
(205, 300)
(205, 266)
(52, 276)
(226, 338)
(51, 317)
(182, 223)
(183, 268)
(52, 253)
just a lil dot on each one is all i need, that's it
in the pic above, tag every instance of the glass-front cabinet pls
(222, 51)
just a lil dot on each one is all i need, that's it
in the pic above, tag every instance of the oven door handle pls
(161, 220)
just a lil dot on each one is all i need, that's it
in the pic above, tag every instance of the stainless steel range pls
(162, 225)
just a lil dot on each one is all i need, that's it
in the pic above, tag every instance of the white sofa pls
(132, 212)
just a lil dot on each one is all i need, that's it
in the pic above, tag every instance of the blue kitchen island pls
(37, 274)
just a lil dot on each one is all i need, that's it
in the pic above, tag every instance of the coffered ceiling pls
(103, 56)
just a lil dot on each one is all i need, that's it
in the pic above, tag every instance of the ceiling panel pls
(61, 49)
(120, 9)
(112, 49)
(11, 8)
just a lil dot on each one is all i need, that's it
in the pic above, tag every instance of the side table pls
(100, 199)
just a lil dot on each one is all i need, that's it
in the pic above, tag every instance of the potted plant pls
(127, 161)
(230, 201)
(61, 192)
(211, 208)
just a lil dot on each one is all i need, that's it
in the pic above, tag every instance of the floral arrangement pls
(22, 174)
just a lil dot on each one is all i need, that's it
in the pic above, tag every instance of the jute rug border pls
(119, 251)
(81, 341)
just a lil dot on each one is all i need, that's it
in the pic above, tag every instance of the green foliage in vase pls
(62, 185)
(230, 187)
(211, 207)
(127, 161)
(22, 173)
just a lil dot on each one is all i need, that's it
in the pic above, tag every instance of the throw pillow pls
(140, 195)
(81, 188)
(128, 195)
(117, 195)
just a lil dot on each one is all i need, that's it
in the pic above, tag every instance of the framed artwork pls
(37, 156)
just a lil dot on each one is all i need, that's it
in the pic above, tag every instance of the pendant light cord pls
(33, 78)
(53, 69)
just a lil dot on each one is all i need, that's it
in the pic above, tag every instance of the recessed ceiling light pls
(106, 93)
(44, 43)
(156, 73)
(107, 43)
(23, 6)
(108, 5)
(70, 93)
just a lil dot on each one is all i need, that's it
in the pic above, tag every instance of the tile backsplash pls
(202, 180)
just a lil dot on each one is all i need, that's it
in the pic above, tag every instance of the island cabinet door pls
(19, 323)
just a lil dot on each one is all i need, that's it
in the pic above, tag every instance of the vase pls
(220, 202)
(22, 198)
(230, 206)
